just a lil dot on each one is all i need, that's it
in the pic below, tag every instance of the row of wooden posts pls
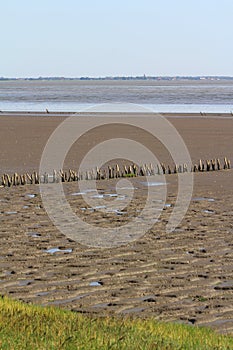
(111, 172)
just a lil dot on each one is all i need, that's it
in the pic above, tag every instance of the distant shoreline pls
(68, 114)
(124, 78)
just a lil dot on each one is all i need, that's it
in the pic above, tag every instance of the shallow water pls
(198, 199)
(70, 300)
(55, 250)
(31, 195)
(95, 284)
(153, 183)
(209, 211)
(133, 310)
(34, 234)
(24, 283)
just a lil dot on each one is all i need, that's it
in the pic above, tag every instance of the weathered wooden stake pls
(218, 165)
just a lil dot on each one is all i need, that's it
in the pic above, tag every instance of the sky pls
(75, 38)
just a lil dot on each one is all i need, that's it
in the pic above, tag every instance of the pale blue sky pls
(116, 37)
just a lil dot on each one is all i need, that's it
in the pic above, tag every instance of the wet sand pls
(184, 276)
(23, 138)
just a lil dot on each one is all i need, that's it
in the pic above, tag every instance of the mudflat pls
(183, 276)
(24, 136)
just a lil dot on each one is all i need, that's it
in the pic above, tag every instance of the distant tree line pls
(143, 77)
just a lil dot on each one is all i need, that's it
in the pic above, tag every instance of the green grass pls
(129, 175)
(24, 326)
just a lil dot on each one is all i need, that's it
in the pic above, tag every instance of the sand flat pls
(24, 136)
(184, 276)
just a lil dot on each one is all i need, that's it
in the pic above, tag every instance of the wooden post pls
(62, 175)
(70, 176)
(213, 164)
(195, 168)
(23, 179)
(8, 180)
(141, 171)
(152, 171)
(110, 172)
(130, 170)
(3, 181)
(79, 176)
(125, 170)
(225, 163)
(36, 178)
(163, 168)
(200, 166)
(54, 176)
(118, 171)
(104, 175)
(15, 179)
(208, 165)
(98, 175)
(180, 169)
(135, 170)
(144, 169)
(30, 178)
(46, 178)
(219, 164)
(185, 168)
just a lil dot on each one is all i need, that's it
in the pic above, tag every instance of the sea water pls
(157, 96)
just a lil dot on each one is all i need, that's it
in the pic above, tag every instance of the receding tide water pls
(74, 95)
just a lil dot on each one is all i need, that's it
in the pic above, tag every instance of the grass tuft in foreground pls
(24, 326)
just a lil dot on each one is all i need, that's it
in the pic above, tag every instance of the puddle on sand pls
(121, 198)
(153, 183)
(11, 212)
(209, 211)
(101, 305)
(134, 309)
(128, 188)
(8, 273)
(110, 195)
(95, 284)
(84, 209)
(34, 226)
(41, 294)
(55, 250)
(99, 207)
(149, 299)
(116, 211)
(220, 323)
(82, 193)
(98, 196)
(70, 300)
(198, 199)
(31, 195)
(228, 285)
(34, 234)
(24, 283)
(167, 205)
(105, 195)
